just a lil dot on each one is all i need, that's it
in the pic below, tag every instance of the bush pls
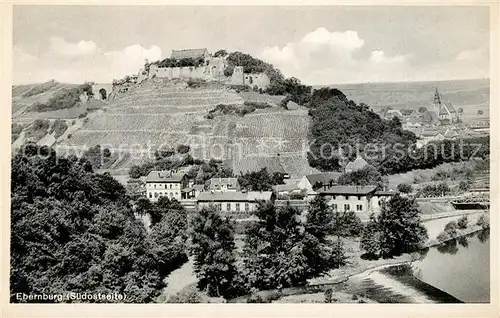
(183, 149)
(483, 221)
(451, 228)
(59, 127)
(328, 295)
(404, 188)
(463, 186)
(66, 98)
(463, 222)
(443, 236)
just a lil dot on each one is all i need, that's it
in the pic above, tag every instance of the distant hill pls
(471, 95)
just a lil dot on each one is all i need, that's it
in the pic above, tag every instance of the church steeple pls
(437, 101)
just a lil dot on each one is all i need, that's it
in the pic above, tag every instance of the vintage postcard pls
(320, 155)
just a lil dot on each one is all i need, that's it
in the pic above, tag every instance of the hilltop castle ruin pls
(210, 68)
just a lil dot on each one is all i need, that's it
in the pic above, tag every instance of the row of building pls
(227, 196)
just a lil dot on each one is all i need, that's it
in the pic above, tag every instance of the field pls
(471, 95)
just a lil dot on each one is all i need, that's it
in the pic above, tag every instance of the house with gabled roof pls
(166, 184)
(358, 164)
(224, 184)
(310, 181)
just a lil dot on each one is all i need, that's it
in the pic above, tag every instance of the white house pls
(165, 183)
(348, 198)
(233, 202)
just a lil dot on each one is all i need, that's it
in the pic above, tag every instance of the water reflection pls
(484, 235)
(448, 247)
(455, 271)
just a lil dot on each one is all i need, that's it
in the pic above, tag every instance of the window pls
(165, 186)
(347, 207)
(359, 207)
(228, 207)
(334, 197)
(150, 195)
(219, 206)
(177, 193)
(156, 194)
(155, 185)
(334, 206)
(170, 186)
(247, 207)
(171, 194)
(237, 207)
(359, 197)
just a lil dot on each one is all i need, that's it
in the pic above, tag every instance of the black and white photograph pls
(165, 154)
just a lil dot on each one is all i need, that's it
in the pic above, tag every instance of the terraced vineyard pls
(145, 119)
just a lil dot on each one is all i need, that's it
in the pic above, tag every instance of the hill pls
(471, 95)
(164, 114)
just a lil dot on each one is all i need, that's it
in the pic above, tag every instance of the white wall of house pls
(172, 190)
(230, 206)
(343, 203)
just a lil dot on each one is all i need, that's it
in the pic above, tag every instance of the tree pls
(463, 222)
(363, 177)
(370, 238)
(220, 53)
(183, 149)
(463, 186)
(319, 219)
(274, 249)
(74, 230)
(347, 223)
(460, 110)
(400, 226)
(422, 110)
(405, 188)
(260, 180)
(213, 247)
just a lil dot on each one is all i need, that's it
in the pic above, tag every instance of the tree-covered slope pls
(74, 231)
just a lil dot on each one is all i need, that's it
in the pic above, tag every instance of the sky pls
(319, 45)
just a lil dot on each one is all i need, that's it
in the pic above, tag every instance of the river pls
(461, 268)
(458, 271)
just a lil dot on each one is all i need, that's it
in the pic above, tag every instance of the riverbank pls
(460, 233)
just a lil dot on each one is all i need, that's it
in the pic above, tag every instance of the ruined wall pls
(238, 77)
(260, 80)
(97, 87)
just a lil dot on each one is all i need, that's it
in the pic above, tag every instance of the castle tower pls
(437, 102)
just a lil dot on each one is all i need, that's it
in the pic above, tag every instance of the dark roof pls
(234, 196)
(450, 107)
(355, 190)
(165, 176)
(191, 53)
(286, 187)
(323, 178)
